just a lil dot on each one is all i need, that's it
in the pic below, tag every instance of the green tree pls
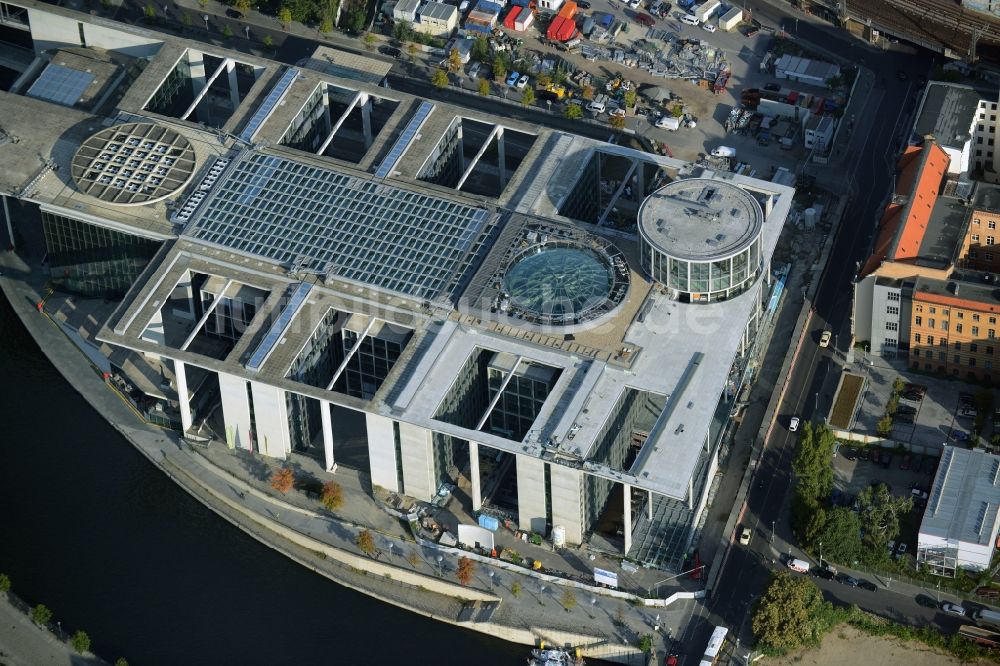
(484, 87)
(568, 599)
(185, 19)
(121, 661)
(499, 68)
(402, 31)
(326, 26)
(439, 78)
(840, 536)
(369, 39)
(227, 32)
(573, 111)
(285, 17)
(617, 122)
(812, 464)
(4, 582)
(791, 613)
(630, 98)
(481, 50)
(879, 512)
(150, 12)
(366, 542)
(454, 61)
(268, 42)
(40, 615)
(587, 91)
(80, 641)
(356, 20)
(558, 76)
(646, 643)
(543, 80)
(528, 96)
(203, 4)
(411, 50)
(242, 5)
(515, 589)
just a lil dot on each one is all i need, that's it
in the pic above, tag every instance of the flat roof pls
(944, 232)
(986, 197)
(327, 221)
(965, 498)
(948, 112)
(983, 296)
(438, 10)
(343, 64)
(700, 219)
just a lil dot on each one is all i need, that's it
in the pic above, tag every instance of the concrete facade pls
(382, 452)
(531, 511)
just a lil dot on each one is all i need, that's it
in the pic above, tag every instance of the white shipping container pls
(524, 21)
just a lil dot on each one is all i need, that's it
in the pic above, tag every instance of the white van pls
(690, 19)
(800, 566)
(598, 105)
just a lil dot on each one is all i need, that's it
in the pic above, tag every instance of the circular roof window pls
(133, 164)
(558, 281)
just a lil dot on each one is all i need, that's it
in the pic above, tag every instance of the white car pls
(620, 112)
(745, 536)
(824, 340)
(793, 425)
(708, 27)
(953, 609)
(635, 4)
(522, 82)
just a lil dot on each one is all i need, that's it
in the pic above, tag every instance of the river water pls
(95, 532)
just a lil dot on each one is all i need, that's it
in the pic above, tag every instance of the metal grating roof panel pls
(404, 139)
(268, 105)
(279, 325)
(61, 85)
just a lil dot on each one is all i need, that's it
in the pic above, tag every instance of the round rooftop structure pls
(568, 281)
(133, 164)
(701, 238)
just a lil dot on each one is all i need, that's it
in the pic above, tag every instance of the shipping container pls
(489, 522)
(524, 20)
(508, 21)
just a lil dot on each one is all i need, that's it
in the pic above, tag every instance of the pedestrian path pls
(24, 643)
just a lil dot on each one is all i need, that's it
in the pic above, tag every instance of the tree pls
(80, 641)
(227, 32)
(791, 613)
(366, 542)
(402, 31)
(630, 98)
(646, 643)
(484, 87)
(242, 5)
(121, 661)
(840, 535)
(283, 480)
(812, 462)
(4, 582)
(499, 68)
(150, 12)
(268, 42)
(617, 122)
(454, 61)
(543, 80)
(332, 495)
(326, 26)
(411, 50)
(185, 19)
(369, 40)
(878, 513)
(573, 111)
(40, 615)
(587, 92)
(528, 97)
(480, 50)
(439, 78)
(285, 17)
(356, 20)
(558, 76)
(568, 599)
(466, 567)
(203, 4)
(413, 558)
(515, 589)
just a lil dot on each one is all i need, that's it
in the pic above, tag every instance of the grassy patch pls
(846, 402)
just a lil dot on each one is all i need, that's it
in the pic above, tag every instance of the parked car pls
(793, 424)
(824, 339)
(968, 412)
(953, 609)
(522, 82)
(617, 111)
(925, 601)
(900, 551)
(512, 78)
(583, 4)
(745, 536)
(645, 19)
(850, 452)
(918, 493)
(234, 13)
(391, 51)
(773, 87)
(708, 27)
(823, 573)
(849, 581)
(474, 69)
(867, 585)
(916, 388)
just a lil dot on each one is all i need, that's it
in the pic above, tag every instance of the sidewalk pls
(24, 643)
(326, 544)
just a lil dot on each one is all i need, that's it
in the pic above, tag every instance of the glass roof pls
(61, 85)
(558, 280)
(323, 220)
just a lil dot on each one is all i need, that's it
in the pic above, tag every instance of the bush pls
(40, 615)
(332, 495)
(121, 661)
(4, 583)
(646, 643)
(80, 641)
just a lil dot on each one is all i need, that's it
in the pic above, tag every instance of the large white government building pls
(306, 261)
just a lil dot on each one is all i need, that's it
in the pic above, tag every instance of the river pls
(104, 539)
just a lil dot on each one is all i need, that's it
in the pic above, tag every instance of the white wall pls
(417, 449)
(235, 410)
(530, 493)
(382, 452)
(863, 308)
(271, 420)
(50, 31)
(567, 501)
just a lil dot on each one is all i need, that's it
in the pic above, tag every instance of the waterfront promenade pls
(543, 609)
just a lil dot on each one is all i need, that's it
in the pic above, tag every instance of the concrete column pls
(416, 446)
(6, 217)
(627, 517)
(382, 452)
(461, 150)
(649, 506)
(182, 395)
(477, 488)
(366, 119)
(530, 493)
(324, 415)
(501, 160)
(271, 420)
(234, 86)
(154, 330)
(567, 501)
(196, 68)
(640, 181)
(235, 411)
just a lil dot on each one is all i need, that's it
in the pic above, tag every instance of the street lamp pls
(246, 29)
(492, 574)
(772, 531)
(541, 594)
(657, 585)
(440, 559)
(205, 18)
(821, 553)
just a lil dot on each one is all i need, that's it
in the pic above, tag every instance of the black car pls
(850, 452)
(867, 585)
(849, 581)
(925, 601)
(390, 51)
(822, 573)
(773, 87)
(232, 13)
(583, 4)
